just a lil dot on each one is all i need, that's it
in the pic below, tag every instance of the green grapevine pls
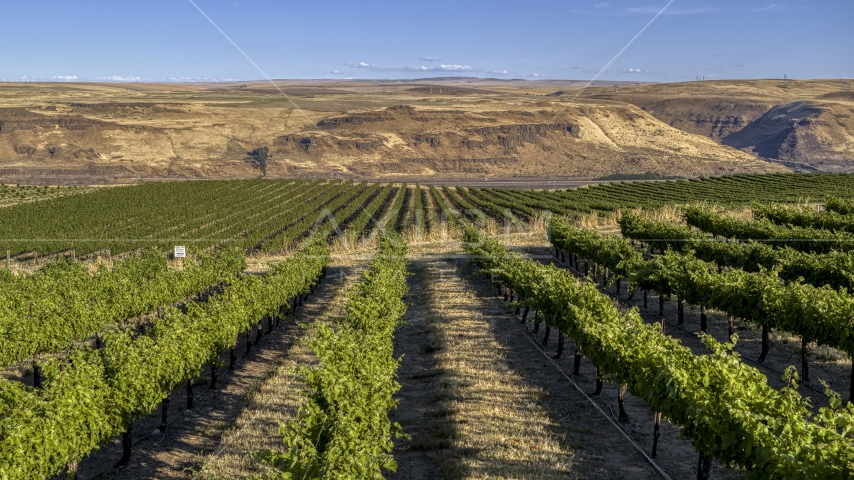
(93, 394)
(343, 430)
(724, 407)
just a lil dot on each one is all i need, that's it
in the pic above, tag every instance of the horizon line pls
(401, 80)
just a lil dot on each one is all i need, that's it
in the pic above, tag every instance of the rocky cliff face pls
(47, 135)
(590, 140)
(12, 119)
(714, 118)
(813, 131)
(807, 132)
(713, 126)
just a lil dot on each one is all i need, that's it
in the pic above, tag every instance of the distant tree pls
(259, 158)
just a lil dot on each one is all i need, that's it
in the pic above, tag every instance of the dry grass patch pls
(488, 420)
(274, 401)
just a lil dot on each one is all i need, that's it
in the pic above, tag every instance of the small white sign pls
(180, 252)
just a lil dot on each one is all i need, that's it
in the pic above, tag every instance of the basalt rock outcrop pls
(12, 119)
(804, 125)
(369, 117)
(805, 132)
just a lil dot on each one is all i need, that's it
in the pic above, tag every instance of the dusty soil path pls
(278, 397)
(676, 457)
(481, 401)
(479, 418)
(414, 346)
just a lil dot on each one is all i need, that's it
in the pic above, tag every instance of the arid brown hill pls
(583, 140)
(817, 133)
(807, 124)
(447, 128)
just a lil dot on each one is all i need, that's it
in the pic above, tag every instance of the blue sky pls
(163, 40)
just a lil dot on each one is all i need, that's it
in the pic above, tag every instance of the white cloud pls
(455, 68)
(199, 79)
(335, 72)
(499, 72)
(717, 54)
(119, 78)
(430, 59)
(601, 5)
(421, 68)
(65, 78)
(572, 68)
(634, 70)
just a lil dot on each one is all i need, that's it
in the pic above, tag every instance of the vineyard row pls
(724, 407)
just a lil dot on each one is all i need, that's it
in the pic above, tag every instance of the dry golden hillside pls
(443, 128)
(805, 124)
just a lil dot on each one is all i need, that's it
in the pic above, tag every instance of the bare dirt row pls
(480, 399)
